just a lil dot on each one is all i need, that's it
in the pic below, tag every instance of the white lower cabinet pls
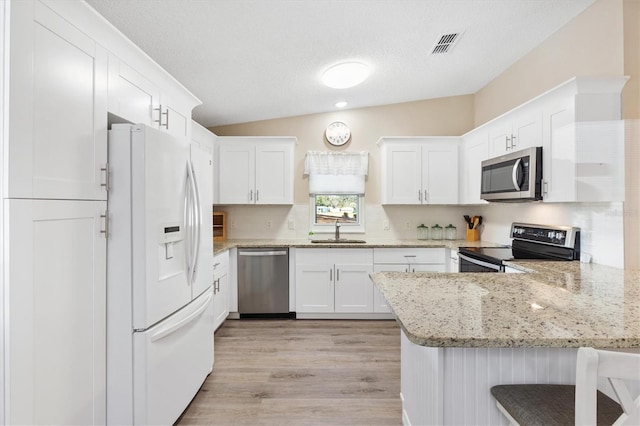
(220, 288)
(405, 260)
(56, 312)
(334, 281)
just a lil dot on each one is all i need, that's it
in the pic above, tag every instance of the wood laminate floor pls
(302, 372)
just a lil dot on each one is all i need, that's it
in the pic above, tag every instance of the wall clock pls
(337, 133)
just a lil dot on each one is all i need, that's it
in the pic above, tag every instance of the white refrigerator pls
(159, 274)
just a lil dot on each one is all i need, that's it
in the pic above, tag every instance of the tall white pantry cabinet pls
(56, 100)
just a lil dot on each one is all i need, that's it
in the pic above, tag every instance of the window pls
(347, 209)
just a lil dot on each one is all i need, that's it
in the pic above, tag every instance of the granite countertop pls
(221, 246)
(555, 304)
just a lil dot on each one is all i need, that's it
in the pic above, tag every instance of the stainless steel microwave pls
(513, 177)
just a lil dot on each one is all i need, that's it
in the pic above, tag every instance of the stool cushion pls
(550, 404)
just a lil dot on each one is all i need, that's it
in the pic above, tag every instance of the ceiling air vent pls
(445, 43)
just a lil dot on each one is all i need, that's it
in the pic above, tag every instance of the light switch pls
(168, 249)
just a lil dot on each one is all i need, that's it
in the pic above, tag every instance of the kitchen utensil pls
(468, 220)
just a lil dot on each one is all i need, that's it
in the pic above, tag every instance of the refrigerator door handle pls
(187, 224)
(198, 221)
(170, 328)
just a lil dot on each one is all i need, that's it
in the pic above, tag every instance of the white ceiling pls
(252, 60)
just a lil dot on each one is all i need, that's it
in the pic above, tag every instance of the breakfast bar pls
(464, 333)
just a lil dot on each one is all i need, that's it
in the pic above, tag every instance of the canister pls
(450, 232)
(436, 232)
(423, 232)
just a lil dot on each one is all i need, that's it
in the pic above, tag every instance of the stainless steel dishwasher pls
(263, 282)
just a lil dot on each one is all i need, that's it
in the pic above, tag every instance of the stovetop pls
(532, 242)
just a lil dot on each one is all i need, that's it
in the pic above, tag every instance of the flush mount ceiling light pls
(344, 75)
(341, 104)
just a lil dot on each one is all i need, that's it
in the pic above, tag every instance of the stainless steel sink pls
(340, 241)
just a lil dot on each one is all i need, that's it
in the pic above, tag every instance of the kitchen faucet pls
(337, 237)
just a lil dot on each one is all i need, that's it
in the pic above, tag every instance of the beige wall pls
(591, 44)
(451, 116)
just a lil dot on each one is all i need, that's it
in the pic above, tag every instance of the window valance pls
(336, 163)
(336, 172)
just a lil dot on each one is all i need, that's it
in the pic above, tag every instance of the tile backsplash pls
(601, 223)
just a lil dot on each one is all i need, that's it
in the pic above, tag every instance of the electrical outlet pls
(233, 224)
(407, 225)
(268, 224)
(292, 224)
(385, 225)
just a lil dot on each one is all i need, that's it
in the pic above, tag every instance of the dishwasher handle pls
(262, 253)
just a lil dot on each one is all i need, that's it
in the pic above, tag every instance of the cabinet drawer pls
(409, 255)
(313, 256)
(220, 264)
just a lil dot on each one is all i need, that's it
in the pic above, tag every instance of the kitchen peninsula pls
(463, 333)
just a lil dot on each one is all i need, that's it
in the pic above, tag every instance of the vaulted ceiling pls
(251, 60)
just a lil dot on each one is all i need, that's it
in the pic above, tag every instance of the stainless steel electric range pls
(529, 242)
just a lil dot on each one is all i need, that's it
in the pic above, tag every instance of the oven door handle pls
(498, 268)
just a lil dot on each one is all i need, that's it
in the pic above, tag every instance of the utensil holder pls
(473, 235)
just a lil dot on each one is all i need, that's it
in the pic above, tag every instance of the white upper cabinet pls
(475, 149)
(520, 130)
(254, 170)
(420, 170)
(135, 98)
(583, 150)
(579, 126)
(58, 108)
(132, 96)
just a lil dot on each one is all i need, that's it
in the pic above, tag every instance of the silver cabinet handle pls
(409, 255)
(257, 194)
(506, 143)
(419, 195)
(337, 274)
(330, 274)
(426, 196)
(106, 183)
(513, 145)
(251, 195)
(105, 231)
(166, 124)
(159, 120)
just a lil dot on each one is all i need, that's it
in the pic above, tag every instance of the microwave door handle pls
(514, 174)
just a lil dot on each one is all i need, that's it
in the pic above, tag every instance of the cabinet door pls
(379, 302)
(559, 151)
(236, 173)
(402, 171)
(56, 312)
(274, 175)
(475, 150)
(499, 137)
(131, 96)
(353, 288)
(417, 267)
(58, 99)
(221, 296)
(440, 173)
(175, 118)
(527, 129)
(314, 288)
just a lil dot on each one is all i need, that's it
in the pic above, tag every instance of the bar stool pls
(582, 404)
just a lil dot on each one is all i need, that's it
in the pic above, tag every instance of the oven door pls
(469, 264)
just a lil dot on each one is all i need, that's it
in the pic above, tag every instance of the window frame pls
(329, 228)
